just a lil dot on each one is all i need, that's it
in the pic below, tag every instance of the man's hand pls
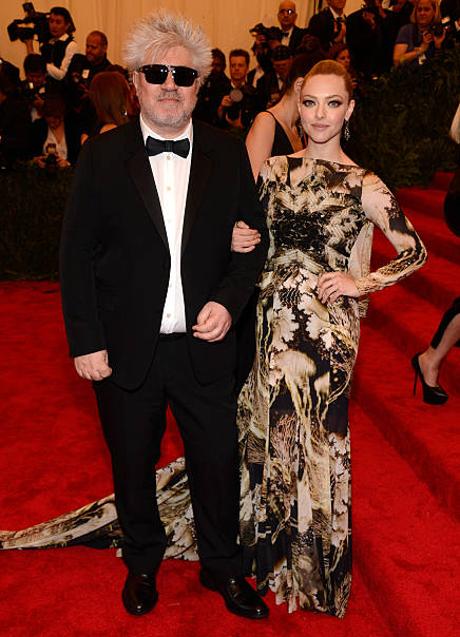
(226, 101)
(212, 323)
(93, 366)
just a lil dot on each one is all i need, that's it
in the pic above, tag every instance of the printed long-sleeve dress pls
(293, 409)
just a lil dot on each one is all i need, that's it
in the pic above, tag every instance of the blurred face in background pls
(57, 25)
(95, 50)
(38, 78)
(282, 67)
(54, 121)
(238, 69)
(287, 15)
(217, 64)
(424, 13)
(343, 58)
(337, 5)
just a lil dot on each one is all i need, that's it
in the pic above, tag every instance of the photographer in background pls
(34, 87)
(367, 38)
(271, 85)
(211, 92)
(261, 51)
(80, 73)
(61, 47)
(238, 108)
(423, 38)
(83, 68)
(450, 13)
(55, 140)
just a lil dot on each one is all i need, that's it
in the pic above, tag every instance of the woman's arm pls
(259, 141)
(455, 127)
(382, 209)
(401, 55)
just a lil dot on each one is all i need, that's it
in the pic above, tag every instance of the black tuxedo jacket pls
(321, 25)
(115, 260)
(296, 38)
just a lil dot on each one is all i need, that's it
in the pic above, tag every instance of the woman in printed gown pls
(293, 408)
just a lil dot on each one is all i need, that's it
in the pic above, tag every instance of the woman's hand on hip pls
(331, 285)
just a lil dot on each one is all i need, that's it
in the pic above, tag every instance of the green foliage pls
(32, 206)
(400, 126)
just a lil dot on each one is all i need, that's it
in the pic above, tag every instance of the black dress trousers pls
(134, 423)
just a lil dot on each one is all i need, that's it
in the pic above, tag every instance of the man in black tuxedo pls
(292, 34)
(329, 24)
(151, 293)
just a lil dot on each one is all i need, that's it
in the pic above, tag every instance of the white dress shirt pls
(287, 37)
(61, 147)
(171, 174)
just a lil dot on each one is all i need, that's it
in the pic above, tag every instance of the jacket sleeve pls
(79, 243)
(243, 270)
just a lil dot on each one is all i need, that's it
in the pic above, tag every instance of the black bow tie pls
(157, 146)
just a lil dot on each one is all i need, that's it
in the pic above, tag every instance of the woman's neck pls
(329, 151)
(286, 110)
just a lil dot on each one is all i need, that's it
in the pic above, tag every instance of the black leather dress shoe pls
(139, 593)
(240, 598)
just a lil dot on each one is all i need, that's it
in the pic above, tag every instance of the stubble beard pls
(172, 116)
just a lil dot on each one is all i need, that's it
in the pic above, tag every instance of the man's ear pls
(135, 78)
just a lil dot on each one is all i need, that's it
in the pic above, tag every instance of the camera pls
(33, 23)
(233, 111)
(30, 91)
(80, 78)
(51, 157)
(436, 29)
(259, 29)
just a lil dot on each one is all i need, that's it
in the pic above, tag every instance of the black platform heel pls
(431, 395)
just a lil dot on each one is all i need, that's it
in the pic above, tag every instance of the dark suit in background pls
(295, 38)
(322, 25)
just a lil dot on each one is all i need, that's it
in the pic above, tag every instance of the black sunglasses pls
(157, 74)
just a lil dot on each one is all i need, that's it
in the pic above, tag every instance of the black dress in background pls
(245, 329)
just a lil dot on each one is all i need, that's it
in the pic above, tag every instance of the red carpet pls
(405, 472)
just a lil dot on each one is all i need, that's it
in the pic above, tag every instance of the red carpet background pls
(406, 481)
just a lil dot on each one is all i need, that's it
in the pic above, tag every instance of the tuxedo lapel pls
(138, 166)
(200, 171)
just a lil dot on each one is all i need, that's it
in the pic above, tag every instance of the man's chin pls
(171, 120)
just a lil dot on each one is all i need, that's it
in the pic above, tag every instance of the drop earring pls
(346, 130)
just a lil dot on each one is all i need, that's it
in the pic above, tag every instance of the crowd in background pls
(67, 96)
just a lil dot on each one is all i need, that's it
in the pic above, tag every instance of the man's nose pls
(169, 83)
